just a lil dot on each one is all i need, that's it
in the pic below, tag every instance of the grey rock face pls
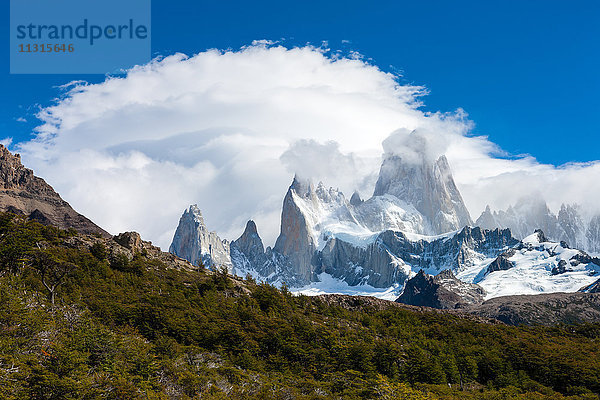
(249, 257)
(355, 200)
(246, 255)
(271, 267)
(593, 288)
(523, 219)
(250, 242)
(487, 220)
(502, 262)
(391, 257)
(572, 226)
(295, 240)
(561, 268)
(130, 240)
(429, 188)
(194, 242)
(462, 250)
(442, 291)
(373, 265)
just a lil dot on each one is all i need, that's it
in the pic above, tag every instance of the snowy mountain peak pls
(430, 188)
(415, 220)
(301, 186)
(531, 213)
(419, 199)
(296, 239)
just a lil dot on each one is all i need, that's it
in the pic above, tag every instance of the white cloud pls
(227, 130)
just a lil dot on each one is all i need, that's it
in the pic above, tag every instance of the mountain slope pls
(151, 328)
(546, 309)
(537, 265)
(21, 192)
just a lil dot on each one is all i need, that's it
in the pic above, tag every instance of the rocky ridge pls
(541, 309)
(532, 213)
(127, 244)
(443, 291)
(23, 193)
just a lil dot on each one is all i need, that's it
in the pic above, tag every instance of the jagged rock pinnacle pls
(194, 242)
(355, 200)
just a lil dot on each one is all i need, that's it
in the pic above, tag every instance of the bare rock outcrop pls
(128, 244)
(443, 291)
(593, 288)
(250, 242)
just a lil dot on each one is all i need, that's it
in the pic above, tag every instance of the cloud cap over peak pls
(228, 129)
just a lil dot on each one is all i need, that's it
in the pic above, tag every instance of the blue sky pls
(525, 72)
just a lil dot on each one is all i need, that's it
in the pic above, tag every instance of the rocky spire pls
(572, 225)
(295, 240)
(430, 188)
(355, 200)
(592, 234)
(487, 220)
(194, 242)
(531, 213)
(250, 242)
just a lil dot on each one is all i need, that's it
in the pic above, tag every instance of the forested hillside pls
(85, 317)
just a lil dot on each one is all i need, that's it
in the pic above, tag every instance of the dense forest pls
(88, 324)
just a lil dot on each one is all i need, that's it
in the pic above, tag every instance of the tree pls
(52, 271)
(16, 238)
